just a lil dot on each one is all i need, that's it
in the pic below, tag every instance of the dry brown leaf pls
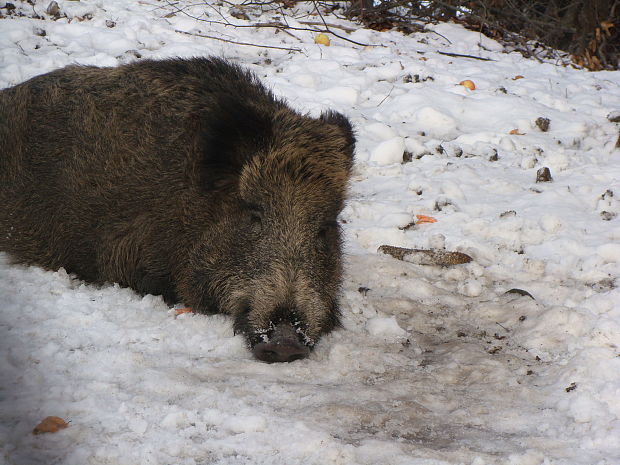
(517, 77)
(515, 132)
(606, 26)
(50, 425)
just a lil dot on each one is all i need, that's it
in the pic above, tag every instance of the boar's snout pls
(283, 346)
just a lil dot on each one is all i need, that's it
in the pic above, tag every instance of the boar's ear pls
(232, 132)
(343, 123)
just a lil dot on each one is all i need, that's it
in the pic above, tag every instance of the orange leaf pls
(181, 311)
(50, 425)
(517, 77)
(425, 219)
(515, 132)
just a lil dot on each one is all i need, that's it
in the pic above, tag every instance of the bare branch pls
(460, 55)
(290, 49)
(330, 25)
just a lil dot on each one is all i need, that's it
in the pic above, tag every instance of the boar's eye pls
(255, 214)
(255, 217)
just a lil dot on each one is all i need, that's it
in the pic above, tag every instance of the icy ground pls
(434, 365)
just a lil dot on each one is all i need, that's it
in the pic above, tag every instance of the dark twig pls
(460, 55)
(290, 49)
(330, 25)
(385, 98)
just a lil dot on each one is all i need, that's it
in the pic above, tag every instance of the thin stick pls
(385, 98)
(316, 23)
(236, 42)
(460, 55)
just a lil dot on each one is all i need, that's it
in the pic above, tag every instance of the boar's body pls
(184, 178)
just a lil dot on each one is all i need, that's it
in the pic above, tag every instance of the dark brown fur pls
(184, 178)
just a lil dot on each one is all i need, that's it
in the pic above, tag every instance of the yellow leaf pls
(468, 84)
(321, 39)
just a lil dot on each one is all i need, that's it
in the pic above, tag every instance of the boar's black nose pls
(284, 346)
(286, 351)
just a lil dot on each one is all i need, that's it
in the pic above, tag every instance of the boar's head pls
(270, 255)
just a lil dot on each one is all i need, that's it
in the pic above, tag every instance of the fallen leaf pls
(425, 219)
(468, 84)
(517, 77)
(515, 132)
(50, 425)
(181, 311)
(321, 39)
(606, 26)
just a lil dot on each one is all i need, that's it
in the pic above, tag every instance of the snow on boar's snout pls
(184, 178)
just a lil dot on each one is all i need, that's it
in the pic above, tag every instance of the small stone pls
(543, 175)
(608, 216)
(239, 14)
(53, 9)
(109, 23)
(543, 124)
(39, 32)
(607, 194)
(614, 117)
(133, 52)
(407, 227)
(407, 157)
(363, 290)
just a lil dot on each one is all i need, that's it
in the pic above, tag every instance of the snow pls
(388, 152)
(434, 365)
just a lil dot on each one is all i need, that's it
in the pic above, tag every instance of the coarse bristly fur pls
(182, 177)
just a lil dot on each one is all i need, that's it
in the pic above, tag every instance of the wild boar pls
(184, 178)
